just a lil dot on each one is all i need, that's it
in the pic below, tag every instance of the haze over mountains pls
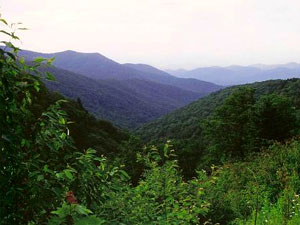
(233, 75)
(97, 66)
(129, 95)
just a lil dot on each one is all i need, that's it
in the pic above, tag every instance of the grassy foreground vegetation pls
(248, 172)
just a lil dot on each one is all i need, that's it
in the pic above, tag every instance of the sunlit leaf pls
(50, 77)
(39, 59)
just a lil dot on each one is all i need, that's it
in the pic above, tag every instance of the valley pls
(89, 140)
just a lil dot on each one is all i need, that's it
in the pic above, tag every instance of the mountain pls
(97, 66)
(187, 119)
(148, 69)
(187, 127)
(92, 65)
(176, 72)
(291, 65)
(129, 95)
(184, 83)
(127, 103)
(85, 129)
(233, 75)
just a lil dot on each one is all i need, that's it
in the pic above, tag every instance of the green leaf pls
(58, 175)
(39, 59)
(63, 136)
(40, 177)
(90, 220)
(124, 174)
(82, 210)
(50, 61)
(50, 76)
(68, 174)
(62, 120)
(46, 169)
(22, 60)
(23, 142)
(11, 55)
(36, 86)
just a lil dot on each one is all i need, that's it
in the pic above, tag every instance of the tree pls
(229, 129)
(37, 156)
(275, 118)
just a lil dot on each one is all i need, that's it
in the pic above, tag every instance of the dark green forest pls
(127, 95)
(232, 157)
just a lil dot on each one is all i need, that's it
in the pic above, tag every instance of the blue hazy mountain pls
(128, 95)
(233, 75)
(97, 66)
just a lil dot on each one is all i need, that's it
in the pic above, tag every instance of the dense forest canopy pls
(129, 95)
(233, 157)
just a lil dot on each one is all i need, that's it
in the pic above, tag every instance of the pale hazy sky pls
(163, 33)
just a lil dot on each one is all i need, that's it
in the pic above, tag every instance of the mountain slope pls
(92, 65)
(184, 83)
(85, 129)
(187, 129)
(127, 103)
(97, 66)
(234, 75)
(187, 119)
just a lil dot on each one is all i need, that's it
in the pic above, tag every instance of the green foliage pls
(229, 124)
(243, 125)
(103, 84)
(85, 129)
(263, 187)
(253, 183)
(72, 213)
(161, 196)
(47, 178)
(19, 142)
(229, 129)
(39, 162)
(275, 117)
(145, 100)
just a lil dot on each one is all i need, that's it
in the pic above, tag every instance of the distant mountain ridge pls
(291, 65)
(99, 67)
(190, 84)
(128, 95)
(234, 75)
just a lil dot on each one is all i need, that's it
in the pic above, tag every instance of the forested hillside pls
(128, 95)
(127, 103)
(188, 126)
(46, 178)
(233, 157)
(97, 66)
(187, 119)
(86, 130)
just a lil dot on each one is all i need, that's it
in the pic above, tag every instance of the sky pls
(168, 34)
